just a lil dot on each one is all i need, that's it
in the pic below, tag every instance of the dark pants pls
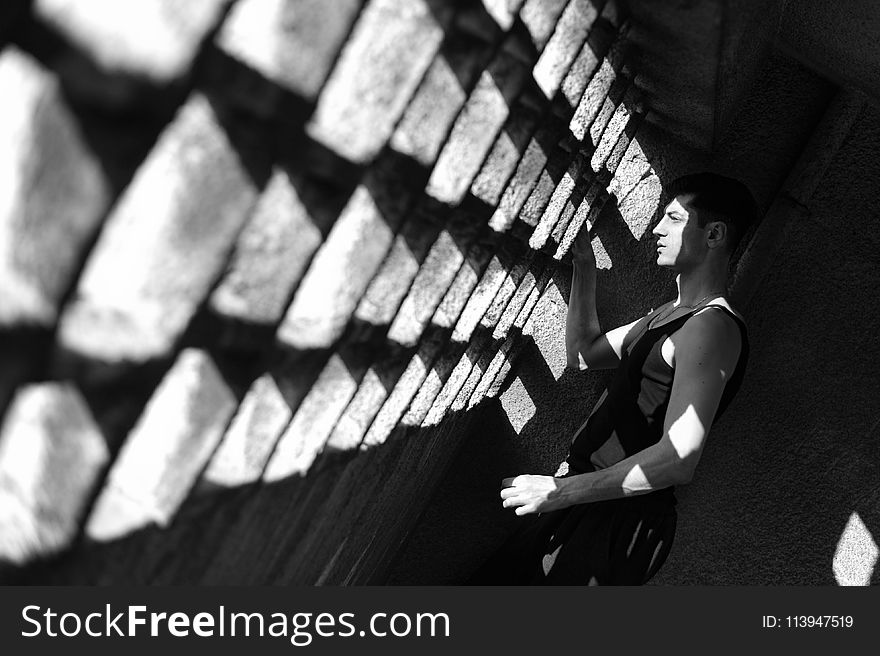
(617, 542)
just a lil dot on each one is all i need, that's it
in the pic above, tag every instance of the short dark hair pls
(719, 198)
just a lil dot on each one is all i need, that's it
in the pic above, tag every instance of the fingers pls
(513, 496)
(508, 492)
(513, 481)
(521, 506)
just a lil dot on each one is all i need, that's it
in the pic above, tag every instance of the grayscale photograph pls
(439, 293)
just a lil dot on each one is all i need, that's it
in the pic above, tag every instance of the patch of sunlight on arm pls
(687, 432)
(635, 481)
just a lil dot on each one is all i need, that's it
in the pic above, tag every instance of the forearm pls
(652, 469)
(582, 322)
(655, 468)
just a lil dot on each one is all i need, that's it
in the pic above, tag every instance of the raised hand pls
(582, 248)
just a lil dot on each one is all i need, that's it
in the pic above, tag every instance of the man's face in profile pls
(681, 241)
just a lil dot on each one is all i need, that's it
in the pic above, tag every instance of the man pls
(608, 516)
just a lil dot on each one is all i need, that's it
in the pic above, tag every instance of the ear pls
(716, 233)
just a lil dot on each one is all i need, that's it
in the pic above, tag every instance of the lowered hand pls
(528, 493)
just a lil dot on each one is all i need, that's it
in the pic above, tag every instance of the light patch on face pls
(683, 431)
(856, 554)
(673, 232)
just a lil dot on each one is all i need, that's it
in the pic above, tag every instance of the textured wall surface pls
(838, 39)
(283, 299)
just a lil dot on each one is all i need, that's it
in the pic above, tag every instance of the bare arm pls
(707, 349)
(586, 347)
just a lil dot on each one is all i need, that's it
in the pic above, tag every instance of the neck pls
(696, 287)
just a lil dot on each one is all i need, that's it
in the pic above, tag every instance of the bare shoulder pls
(712, 333)
(713, 309)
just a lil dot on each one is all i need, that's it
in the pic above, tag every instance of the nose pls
(657, 231)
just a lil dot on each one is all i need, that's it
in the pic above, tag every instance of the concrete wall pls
(837, 39)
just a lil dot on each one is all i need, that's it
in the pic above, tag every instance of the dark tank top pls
(638, 396)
